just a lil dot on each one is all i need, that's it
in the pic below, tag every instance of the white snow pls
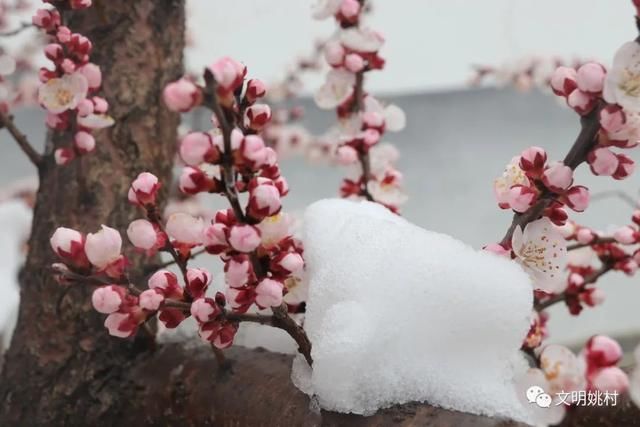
(397, 313)
(15, 224)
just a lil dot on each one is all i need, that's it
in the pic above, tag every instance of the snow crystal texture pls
(397, 314)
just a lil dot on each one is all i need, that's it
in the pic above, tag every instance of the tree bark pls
(62, 367)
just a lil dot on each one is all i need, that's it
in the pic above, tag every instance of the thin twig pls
(153, 267)
(562, 296)
(6, 121)
(597, 241)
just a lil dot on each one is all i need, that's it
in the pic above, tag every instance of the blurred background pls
(458, 136)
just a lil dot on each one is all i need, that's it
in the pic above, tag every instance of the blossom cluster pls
(262, 260)
(68, 91)
(363, 120)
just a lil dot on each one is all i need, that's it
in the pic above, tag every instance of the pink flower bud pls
(165, 281)
(255, 90)
(93, 75)
(104, 247)
(204, 310)
(346, 155)
(198, 281)
(238, 271)
(577, 198)
(590, 77)
(197, 148)
(193, 181)
(269, 293)
(108, 299)
(370, 137)
(557, 177)
(264, 198)
(533, 159)
(80, 4)
(282, 185)
(143, 234)
(54, 52)
(215, 239)
(181, 95)
(610, 379)
(84, 142)
(185, 228)
(100, 105)
(626, 235)
(563, 81)
(229, 74)
(46, 19)
(334, 53)
(288, 263)
(68, 244)
(240, 299)
(521, 198)
(63, 156)
(171, 317)
(373, 119)
(625, 168)
(602, 161)
(85, 107)
(581, 102)
(253, 150)
(145, 189)
(585, 236)
(592, 296)
(244, 238)
(612, 118)
(219, 334)
(257, 116)
(151, 299)
(354, 62)
(602, 351)
(121, 325)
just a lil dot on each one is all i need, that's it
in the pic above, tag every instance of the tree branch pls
(562, 296)
(6, 121)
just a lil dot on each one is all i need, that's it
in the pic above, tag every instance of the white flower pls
(394, 117)
(511, 176)
(542, 251)
(103, 248)
(323, 9)
(562, 368)
(62, 94)
(297, 290)
(275, 228)
(387, 194)
(185, 228)
(361, 39)
(337, 88)
(622, 85)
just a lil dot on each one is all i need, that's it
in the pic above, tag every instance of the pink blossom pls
(288, 263)
(80, 4)
(228, 73)
(185, 228)
(93, 75)
(557, 177)
(563, 81)
(257, 116)
(354, 62)
(338, 87)
(274, 229)
(512, 175)
(256, 89)
(68, 243)
(46, 19)
(237, 271)
(602, 351)
(214, 238)
(167, 283)
(244, 238)
(143, 234)
(521, 198)
(361, 39)
(84, 142)
(144, 189)
(581, 102)
(107, 299)
(334, 53)
(219, 334)
(264, 198)
(198, 281)
(533, 160)
(181, 95)
(197, 147)
(85, 107)
(612, 118)
(269, 293)
(590, 77)
(121, 325)
(204, 309)
(625, 168)
(622, 83)
(346, 155)
(171, 317)
(350, 8)
(253, 150)
(63, 156)
(626, 235)
(193, 181)
(104, 247)
(577, 198)
(610, 379)
(585, 236)
(151, 299)
(602, 161)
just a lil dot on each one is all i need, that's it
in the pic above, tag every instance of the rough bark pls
(62, 367)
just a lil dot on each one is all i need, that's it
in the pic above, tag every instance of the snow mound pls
(397, 313)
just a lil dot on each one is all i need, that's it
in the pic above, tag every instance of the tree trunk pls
(62, 367)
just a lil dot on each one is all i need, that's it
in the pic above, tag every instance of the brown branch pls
(6, 121)
(363, 156)
(584, 143)
(598, 240)
(562, 296)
